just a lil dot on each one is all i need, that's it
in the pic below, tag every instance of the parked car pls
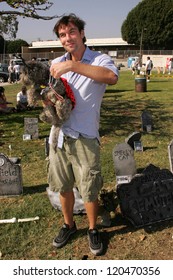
(17, 61)
(43, 60)
(4, 75)
(3, 67)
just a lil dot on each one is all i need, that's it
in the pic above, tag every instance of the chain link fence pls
(121, 54)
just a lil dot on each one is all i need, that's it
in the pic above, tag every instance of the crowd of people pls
(14, 72)
(136, 67)
(21, 102)
(147, 68)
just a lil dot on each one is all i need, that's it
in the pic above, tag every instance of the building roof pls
(89, 42)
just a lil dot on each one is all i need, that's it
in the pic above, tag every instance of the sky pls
(103, 18)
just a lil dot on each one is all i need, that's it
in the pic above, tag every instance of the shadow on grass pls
(34, 189)
(117, 91)
(127, 227)
(125, 115)
(149, 148)
(160, 81)
(154, 90)
(19, 117)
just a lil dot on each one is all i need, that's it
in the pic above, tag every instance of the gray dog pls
(57, 96)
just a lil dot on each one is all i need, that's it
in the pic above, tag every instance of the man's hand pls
(60, 68)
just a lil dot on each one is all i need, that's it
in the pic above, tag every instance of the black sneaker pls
(62, 238)
(95, 243)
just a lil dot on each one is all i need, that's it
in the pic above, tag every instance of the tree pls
(1, 44)
(24, 8)
(151, 21)
(15, 46)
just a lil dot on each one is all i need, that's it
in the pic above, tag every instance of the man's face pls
(70, 37)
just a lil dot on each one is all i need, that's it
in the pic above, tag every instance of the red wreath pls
(69, 92)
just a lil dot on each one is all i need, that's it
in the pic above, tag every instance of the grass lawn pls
(120, 116)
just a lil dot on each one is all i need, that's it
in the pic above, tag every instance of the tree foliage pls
(153, 20)
(15, 46)
(24, 8)
(1, 44)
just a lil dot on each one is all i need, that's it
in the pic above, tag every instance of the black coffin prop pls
(148, 198)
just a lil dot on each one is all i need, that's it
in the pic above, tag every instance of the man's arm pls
(97, 73)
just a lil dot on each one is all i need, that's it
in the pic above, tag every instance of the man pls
(77, 158)
(170, 66)
(17, 72)
(133, 64)
(148, 68)
(22, 99)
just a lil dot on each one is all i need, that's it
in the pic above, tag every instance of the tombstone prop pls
(148, 198)
(170, 155)
(134, 137)
(147, 122)
(30, 128)
(55, 201)
(124, 162)
(138, 146)
(10, 177)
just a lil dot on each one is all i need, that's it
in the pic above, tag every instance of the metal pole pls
(4, 52)
(141, 47)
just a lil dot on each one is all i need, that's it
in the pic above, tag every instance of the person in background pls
(76, 159)
(22, 101)
(148, 68)
(170, 66)
(16, 68)
(11, 73)
(133, 67)
(4, 104)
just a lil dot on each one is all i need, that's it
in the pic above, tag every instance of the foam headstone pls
(124, 162)
(147, 122)
(148, 198)
(10, 177)
(132, 138)
(30, 128)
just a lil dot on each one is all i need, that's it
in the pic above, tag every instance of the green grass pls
(120, 116)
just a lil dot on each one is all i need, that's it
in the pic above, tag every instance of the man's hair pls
(24, 88)
(2, 89)
(71, 18)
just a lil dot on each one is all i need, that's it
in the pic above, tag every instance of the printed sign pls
(31, 128)
(148, 198)
(10, 177)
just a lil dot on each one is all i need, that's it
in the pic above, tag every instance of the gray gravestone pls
(10, 177)
(124, 163)
(148, 198)
(147, 122)
(30, 128)
(134, 137)
(170, 155)
(138, 146)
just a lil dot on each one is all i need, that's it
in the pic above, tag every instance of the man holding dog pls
(77, 157)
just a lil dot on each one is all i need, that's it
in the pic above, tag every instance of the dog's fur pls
(55, 112)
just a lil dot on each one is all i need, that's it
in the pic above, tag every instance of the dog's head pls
(45, 87)
(35, 73)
